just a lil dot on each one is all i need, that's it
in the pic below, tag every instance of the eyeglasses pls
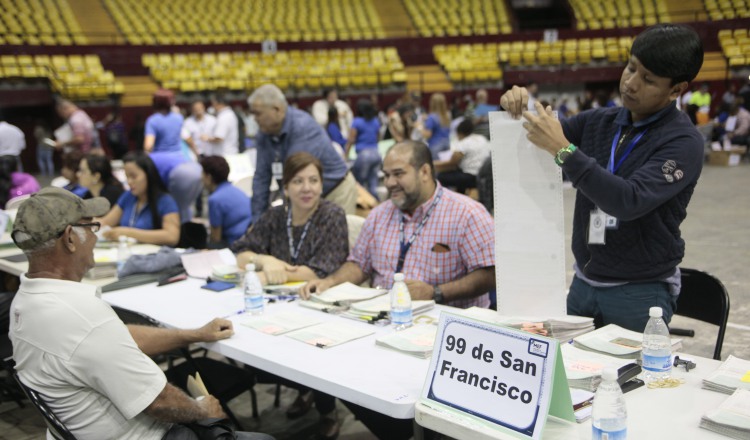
(95, 226)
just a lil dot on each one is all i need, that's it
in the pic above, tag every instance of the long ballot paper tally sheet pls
(529, 228)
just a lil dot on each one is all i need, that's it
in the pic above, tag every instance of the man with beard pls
(443, 242)
(635, 169)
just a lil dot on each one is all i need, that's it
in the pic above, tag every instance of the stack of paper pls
(562, 328)
(345, 294)
(330, 333)
(614, 340)
(280, 323)
(584, 368)
(732, 374)
(731, 418)
(381, 305)
(582, 404)
(417, 340)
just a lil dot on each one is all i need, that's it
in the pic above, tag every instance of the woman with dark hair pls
(147, 212)
(365, 134)
(333, 128)
(304, 239)
(163, 141)
(95, 174)
(228, 207)
(71, 161)
(14, 183)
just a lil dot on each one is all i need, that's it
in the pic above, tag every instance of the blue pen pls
(238, 312)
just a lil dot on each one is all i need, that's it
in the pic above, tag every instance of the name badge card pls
(504, 378)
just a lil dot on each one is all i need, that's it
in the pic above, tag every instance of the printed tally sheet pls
(529, 229)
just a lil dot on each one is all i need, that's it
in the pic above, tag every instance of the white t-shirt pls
(12, 140)
(476, 150)
(205, 126)
(227, 129)
(71, 347)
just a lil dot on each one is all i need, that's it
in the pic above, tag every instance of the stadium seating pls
(727, 9)
(298, 69)
(438, 18)
(595, 14)
(39, 22)
(72, 76)
(228, 21)
(735, 45)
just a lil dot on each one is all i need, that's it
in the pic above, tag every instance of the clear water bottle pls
(609, 416)
(123, 252)
(400, 303)
(252, 291)
(657, 348)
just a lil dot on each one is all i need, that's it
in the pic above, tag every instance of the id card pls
(277, 169)
(597, 227)
(611, 222)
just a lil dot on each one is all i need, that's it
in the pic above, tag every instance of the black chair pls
(8, 387)
(705, 298)
(223, 380)
(193, 235)
(55, 426)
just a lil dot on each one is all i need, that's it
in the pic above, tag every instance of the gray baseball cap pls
(46, 214)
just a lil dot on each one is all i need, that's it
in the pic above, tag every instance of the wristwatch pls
(564, 154)
(437, 295)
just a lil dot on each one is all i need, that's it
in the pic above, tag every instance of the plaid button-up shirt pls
(458, 238)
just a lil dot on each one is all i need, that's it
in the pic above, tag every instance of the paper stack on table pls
(614, 340)
(732, 417)
(280, 323)
(562, 328)
(330, 334)
(417, 340)
(381, 305)
(732, 374)
(584, 368)
(345, 294)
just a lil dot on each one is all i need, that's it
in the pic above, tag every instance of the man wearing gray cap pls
(71, 347)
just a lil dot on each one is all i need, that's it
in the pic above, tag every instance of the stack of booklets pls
(381, 305)
(732, 417)
(341, 297)
(614, 340)
(416, 341)
(732, 374)
(562, 328)
(584, 368)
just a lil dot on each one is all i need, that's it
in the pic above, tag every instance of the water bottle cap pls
(398, 277)
(609, 374)
(250, 267)
(655, 312)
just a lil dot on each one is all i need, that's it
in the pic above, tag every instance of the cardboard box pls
(727, 158)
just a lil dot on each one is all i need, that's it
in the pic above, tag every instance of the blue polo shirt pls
(142, 219)
(229, 208)
(367, 133)
(440, 134)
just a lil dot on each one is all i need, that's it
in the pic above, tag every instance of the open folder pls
(196, 387)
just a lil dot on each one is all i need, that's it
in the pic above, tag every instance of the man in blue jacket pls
(635, 169)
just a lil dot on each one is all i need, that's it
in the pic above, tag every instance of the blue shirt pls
(229, 209)
(76, 189)
(334, 132)
(142, 220)
(166, 129)
(367, 133)
(299, 132)
(483, 109)
(440, 134)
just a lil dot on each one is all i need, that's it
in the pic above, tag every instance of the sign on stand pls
(500, 377)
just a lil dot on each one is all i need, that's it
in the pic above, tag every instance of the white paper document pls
(346, 293)
(280, 323)
(529, 229)
(330, 334)
(199, 264)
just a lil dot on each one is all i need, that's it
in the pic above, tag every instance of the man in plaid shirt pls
(443, 242)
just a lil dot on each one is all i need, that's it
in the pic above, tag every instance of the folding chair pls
(705, 298)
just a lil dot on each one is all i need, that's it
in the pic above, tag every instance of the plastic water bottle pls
(657, 348)
(400, 303)
(609, 416)
(253, 291)
(123, 252)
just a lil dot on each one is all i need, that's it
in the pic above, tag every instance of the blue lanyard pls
(294, 252)
(406, 245)
(611, 167)
(135, 213)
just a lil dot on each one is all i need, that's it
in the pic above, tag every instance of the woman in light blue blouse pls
(147, 212)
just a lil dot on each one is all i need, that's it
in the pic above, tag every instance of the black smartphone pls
(217, 286)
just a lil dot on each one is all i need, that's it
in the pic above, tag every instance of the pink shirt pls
(458, 225)
(22, 184)
(82, 125)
